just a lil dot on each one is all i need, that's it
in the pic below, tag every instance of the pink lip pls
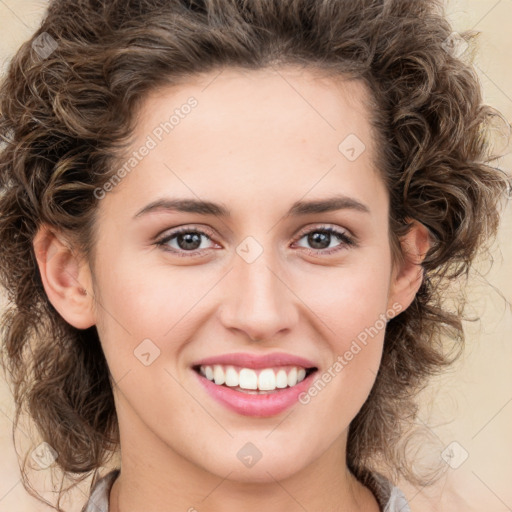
(257, 361)
(256, 405)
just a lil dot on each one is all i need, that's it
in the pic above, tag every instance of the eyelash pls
(347, 241)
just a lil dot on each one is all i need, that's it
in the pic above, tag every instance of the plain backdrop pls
(468, 410)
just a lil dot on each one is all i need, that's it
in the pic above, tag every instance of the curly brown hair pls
(65, 115)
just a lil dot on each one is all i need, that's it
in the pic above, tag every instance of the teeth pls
(218, 375)
(281, 379)
(292, 377)
(232, 378)
(267, 379)
(248, 379)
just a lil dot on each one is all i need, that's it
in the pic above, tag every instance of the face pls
(255, 271)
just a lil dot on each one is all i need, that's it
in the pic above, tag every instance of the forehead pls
(257, 102)
(268, 131)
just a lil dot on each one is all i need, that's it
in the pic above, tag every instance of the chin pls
(266, 470)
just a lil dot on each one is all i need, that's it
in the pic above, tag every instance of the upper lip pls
(255, 361)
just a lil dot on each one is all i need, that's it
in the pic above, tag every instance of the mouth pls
(255, 384)
(261, 381)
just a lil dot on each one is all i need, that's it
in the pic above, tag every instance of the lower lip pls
(260, 405)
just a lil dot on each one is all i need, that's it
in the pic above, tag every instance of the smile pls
(255, 381)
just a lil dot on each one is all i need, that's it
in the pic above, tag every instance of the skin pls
(257, 142)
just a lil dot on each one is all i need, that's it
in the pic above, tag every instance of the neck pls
(155, 476)
(169, 490)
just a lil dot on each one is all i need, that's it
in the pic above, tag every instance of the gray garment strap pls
(98, 500)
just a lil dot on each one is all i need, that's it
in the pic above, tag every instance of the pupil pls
(316, 238)
(193, 239)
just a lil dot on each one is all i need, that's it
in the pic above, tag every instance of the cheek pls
(154, 310)
(354, 329)
(143, 300)
(349, 300)
(353, 307)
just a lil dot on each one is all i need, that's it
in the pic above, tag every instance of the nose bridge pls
(259, 301)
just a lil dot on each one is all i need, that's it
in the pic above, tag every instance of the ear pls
(66, 278)
(407, 274)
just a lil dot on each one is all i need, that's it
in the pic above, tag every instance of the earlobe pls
(66, 278)
(408, 275)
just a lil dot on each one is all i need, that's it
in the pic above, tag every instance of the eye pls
(321, 239)
(188, 241)
(184, 241)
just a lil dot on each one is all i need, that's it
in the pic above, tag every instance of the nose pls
(257, 299)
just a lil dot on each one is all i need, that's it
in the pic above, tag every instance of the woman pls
(225, 231)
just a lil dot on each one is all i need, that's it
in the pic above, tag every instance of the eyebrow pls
(299, 208)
